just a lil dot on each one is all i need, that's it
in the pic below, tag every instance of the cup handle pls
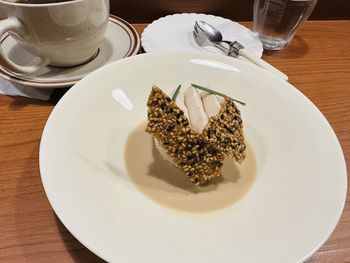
(13, 24)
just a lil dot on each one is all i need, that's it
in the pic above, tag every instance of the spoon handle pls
(262, 63)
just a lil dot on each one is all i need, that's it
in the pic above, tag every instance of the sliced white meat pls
(221, 100)
(196, 112)
(211, 104)
(180, 102)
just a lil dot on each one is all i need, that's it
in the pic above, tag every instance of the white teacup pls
(60, 33)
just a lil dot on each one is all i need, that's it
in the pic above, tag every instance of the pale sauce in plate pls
(166, 185)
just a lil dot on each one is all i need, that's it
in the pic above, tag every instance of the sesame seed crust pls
(199, 156)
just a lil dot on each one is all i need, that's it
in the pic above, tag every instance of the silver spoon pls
(202, 39)
(211, 33)
(206, 35)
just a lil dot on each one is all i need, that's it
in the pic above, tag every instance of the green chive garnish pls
(215, 93)
(176, 93)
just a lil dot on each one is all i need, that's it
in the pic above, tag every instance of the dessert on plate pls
(196, 130)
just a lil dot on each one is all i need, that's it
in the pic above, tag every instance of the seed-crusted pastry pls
(196, 148)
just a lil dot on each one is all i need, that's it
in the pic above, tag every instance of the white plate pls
(289, 212)
(174, 33)
(121, 40)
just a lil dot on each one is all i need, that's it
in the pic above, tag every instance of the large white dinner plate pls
(291, 209)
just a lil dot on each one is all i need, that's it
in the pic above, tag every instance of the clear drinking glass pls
(277, 21)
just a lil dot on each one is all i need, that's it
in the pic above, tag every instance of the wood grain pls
(318, 64)
(237, 10)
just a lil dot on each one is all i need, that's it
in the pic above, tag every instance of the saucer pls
(121, 40)
(174, 33)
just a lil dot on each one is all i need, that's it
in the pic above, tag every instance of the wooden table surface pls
(317, 63)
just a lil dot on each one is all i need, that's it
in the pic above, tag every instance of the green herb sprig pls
(176, 93)
(216, 93)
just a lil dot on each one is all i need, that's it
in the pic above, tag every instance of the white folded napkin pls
(15, 89)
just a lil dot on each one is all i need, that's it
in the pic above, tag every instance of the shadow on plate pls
(167, 186)
(163, 170)
(153, 172)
